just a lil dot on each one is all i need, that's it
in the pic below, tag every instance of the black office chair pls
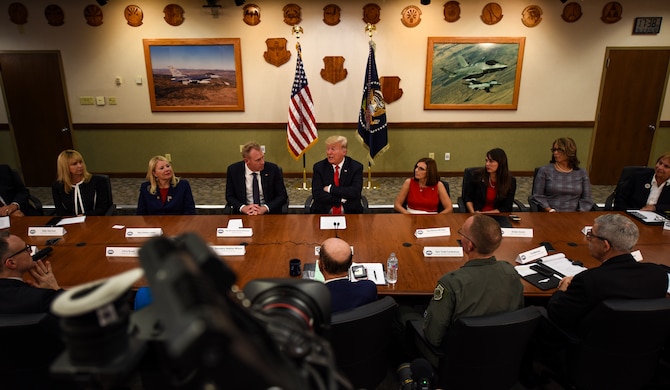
(626, 173)
(34, 204)
(483, 352)
(468, 177)
(310, 200)
(30, 343)
(620, 345)
(360, 341)
(112, 206)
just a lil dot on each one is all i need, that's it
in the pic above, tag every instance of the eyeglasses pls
(460, 231)
(28, 249)
(557, 150)
(590, 236)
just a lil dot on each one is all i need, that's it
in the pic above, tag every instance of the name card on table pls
(239, 232)
(666, 225)
(586, 230)
(46, 231)
(443, 251)
(517, 232)
(229, 250)
(637, 255)
(143, 232)
(4, 222)
(337, 223)
(118, 251)
(432, 232)
(531, 255)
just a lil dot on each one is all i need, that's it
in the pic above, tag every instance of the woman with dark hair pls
(424, 193)
(562, 185)
(492, 189)
(77, 191)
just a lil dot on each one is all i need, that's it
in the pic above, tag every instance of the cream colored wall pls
(560, 81)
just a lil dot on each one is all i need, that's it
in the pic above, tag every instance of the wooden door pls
(629, 111)
(37, 109)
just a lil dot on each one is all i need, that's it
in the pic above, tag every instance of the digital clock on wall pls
(647, 25)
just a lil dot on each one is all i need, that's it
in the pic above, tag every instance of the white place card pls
(4, 222)
(666, 225)
(143, 232)
(432, 232)
(531, 255)
(235, 224)
(119, 251)
(71, 220)
(229, 250)
(235, 232)
(443, 251)
(333, 223)
(586, 230)
(46, 231)
(517, 232)
(637, 255)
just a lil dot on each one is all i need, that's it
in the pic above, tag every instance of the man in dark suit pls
(18, 296)
(341, 196)
(611, 240)
(647, 191)
(13, 194)
(267, 195)
(335, 259)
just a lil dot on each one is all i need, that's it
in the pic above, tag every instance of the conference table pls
(80, 254)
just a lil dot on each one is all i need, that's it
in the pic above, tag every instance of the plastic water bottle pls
(392, 269)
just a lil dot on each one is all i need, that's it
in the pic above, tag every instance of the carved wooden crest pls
(411, 16)
(390, 88)
(54, 14)
(93, 15)
(18, 13)
(292, 14)
(612, 12)
(531, 16)
(572, 12)
(491, 13)
(252, 14)
(371, 13)
(333, 70)
(452, 11)
(276, 54)
(331, 14)
(173, 14)
(133, 15)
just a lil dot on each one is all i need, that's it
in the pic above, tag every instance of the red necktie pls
(337, 210)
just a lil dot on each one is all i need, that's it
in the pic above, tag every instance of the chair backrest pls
(34, 203)
(310, 200)
(112, 206)
(626, 174)
(534, 206)
(467, 179)
(485, 352)
(360, 340)
(621, 344)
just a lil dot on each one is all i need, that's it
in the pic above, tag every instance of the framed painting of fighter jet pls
(473, 73)
(194, 74)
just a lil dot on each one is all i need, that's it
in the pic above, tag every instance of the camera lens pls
(405, 376)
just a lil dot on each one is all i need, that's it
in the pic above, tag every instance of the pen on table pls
(543, 280)
(375, 272)
(558, 277)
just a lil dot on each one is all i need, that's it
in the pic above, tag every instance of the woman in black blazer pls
(492, 188)
(77, 191)
(636, 192)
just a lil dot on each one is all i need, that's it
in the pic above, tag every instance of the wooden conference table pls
(79, 256)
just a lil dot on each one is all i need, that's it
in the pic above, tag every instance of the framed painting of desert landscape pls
(194, 74)
(473, 73)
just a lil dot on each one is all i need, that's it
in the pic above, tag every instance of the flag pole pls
(370, 28)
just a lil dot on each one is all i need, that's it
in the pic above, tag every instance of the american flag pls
(301, 131)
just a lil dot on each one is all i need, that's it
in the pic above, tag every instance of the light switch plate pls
(100, 100)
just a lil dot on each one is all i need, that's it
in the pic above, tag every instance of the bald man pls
(335, 259)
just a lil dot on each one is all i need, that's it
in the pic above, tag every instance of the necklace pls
(561, 169)
(491, 183)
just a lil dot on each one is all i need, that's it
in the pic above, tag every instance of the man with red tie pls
(337, 181)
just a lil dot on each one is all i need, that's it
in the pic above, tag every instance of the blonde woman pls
(77, 191)
(164, 193)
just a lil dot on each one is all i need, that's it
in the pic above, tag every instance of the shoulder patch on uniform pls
(438, 293)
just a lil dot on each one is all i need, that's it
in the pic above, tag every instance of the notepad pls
(648, 217)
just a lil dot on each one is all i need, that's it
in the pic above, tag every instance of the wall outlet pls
(168, 156)
(241, 147)
(100, 100)
(111, 100)
(431, 155)
(447, 156)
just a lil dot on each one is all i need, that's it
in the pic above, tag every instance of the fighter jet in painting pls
(475, 84)
(478, 69)
(185, 79)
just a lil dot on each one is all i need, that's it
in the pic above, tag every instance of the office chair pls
(30, 343)
(620, 344)
(34, 204)
(112, 206)
(360, 340)
(468, 177)
(626, 173)
(483, 352)
(310, 200)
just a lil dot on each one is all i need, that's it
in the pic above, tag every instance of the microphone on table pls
(336, 225)
(42, 253)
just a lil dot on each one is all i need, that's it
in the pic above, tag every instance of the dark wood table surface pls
(80, 257)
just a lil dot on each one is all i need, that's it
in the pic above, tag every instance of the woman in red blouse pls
(424, 193)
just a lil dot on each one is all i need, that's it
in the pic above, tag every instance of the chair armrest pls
(415, 328)
(461, 205)
(522, 207)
